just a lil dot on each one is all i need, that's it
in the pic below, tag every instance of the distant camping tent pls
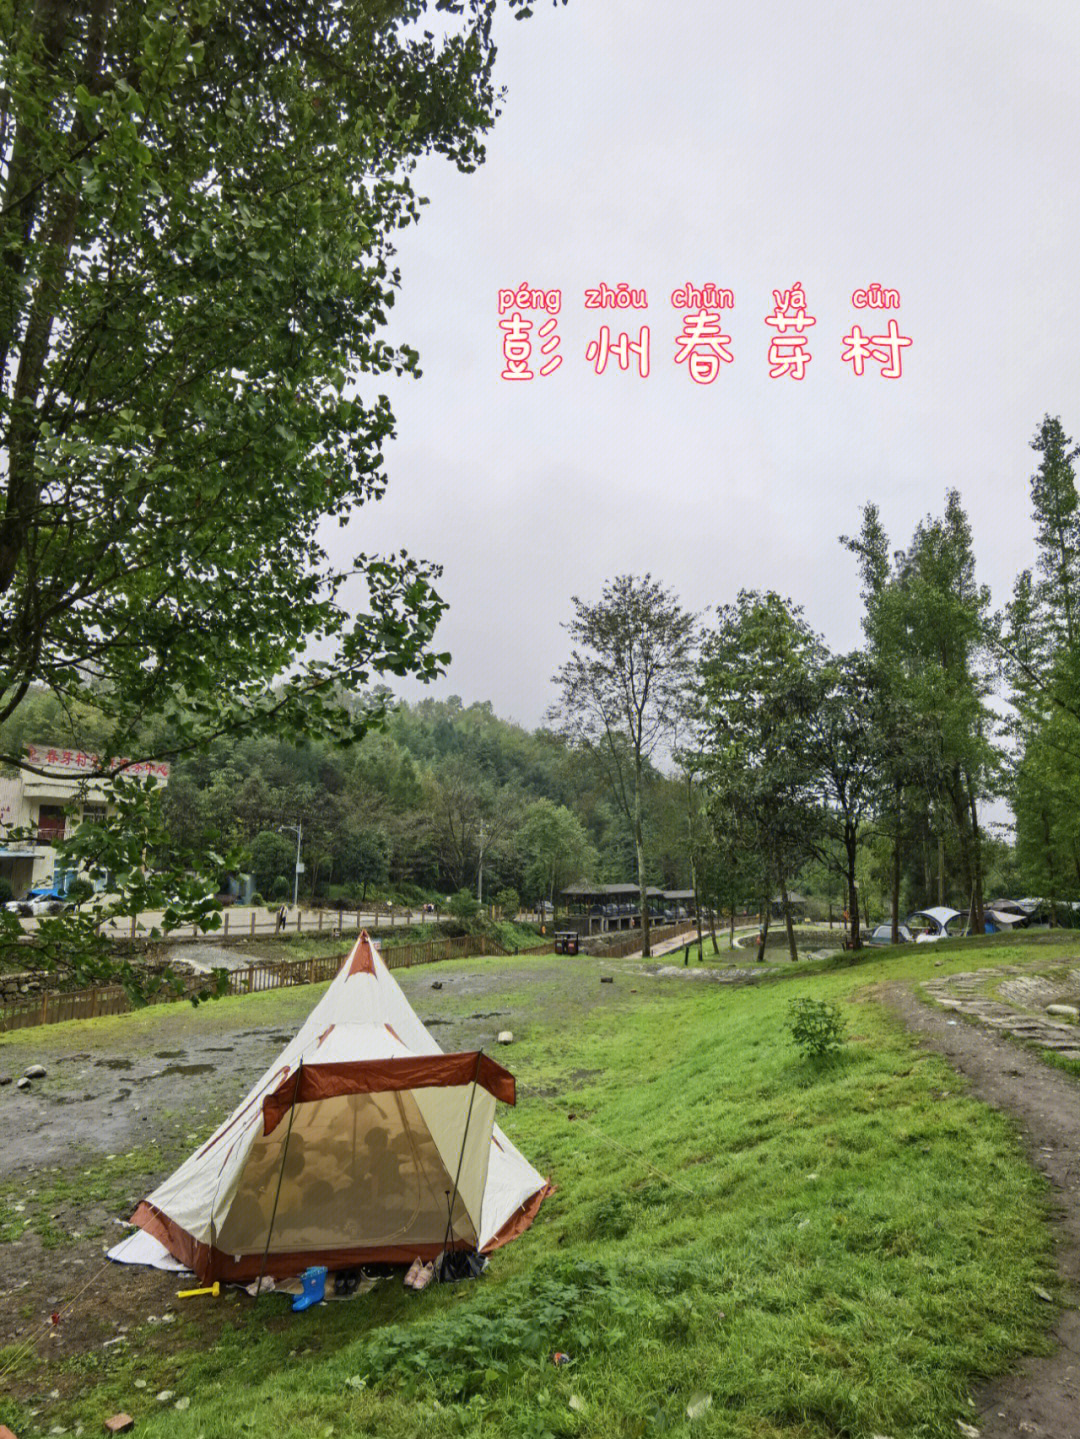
(351, 1149)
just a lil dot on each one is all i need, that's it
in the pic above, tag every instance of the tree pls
(272, 855)
(508, 902)
(845, 754)
(1041, 659)
(197, 207)
(362, 856)
(555, 846)
(756, 698)
(622, 689)
(196, 224)
(928, 626)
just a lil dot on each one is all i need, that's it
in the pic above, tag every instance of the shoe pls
(414, 1269)
(424, 1278)
(314, 1291)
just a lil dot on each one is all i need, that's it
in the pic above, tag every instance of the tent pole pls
(281, 1174)
(461, 1156)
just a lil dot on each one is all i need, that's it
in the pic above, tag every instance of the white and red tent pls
(351, 1149)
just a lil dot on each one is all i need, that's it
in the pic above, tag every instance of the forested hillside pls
(409, 811)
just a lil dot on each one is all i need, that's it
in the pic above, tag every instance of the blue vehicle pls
(44, 899)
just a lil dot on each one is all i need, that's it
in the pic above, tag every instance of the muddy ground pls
(163, 1074)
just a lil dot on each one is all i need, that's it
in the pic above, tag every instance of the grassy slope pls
(822, 1252)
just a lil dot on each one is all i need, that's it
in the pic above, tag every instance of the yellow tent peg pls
(214, 1290)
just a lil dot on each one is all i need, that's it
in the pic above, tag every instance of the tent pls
(939, 918)
(362, 1142)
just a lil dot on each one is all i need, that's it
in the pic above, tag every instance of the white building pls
(48, 805)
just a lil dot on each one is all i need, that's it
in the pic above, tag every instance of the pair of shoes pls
(424, 1278)
(420, 1275)
(414, 1269)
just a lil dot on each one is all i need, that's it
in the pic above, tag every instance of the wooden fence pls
(33, 1010)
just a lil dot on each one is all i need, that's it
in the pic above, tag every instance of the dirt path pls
(1043, 1396)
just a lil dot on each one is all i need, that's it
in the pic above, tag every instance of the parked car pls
(883, 935)
(38, 901)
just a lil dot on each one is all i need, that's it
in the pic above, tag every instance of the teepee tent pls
(363, 1142)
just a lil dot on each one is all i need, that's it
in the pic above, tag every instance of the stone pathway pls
(963, 993)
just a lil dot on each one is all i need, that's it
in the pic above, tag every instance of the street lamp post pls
(298, 830)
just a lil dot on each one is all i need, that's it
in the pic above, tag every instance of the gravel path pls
(1043, 1396)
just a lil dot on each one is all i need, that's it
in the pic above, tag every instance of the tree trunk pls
(851, 846)
(977, 918)
(941, 870)
(763, 932)
(855, 932)
(896, 891)
(793, 950)
(961, 814)
(697, 912)
(1050, 867)
(639, 845)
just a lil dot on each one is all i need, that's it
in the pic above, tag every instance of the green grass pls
(823, 1250)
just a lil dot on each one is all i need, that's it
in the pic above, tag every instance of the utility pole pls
(298, 830)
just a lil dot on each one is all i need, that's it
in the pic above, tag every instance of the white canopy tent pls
(363, 1142)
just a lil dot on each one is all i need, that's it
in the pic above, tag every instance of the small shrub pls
(280, 888)
(463, 905)
(817, 1027)
(79, 891)
(257, 899)
(509, 902)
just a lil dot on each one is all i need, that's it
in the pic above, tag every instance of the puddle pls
(169, 1053)
(188, 1069)
(113, 1063)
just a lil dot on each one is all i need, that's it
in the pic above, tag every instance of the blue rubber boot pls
(314, 1282)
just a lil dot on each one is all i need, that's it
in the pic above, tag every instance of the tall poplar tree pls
(623, 690)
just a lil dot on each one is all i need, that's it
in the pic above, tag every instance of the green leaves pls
(193, 404)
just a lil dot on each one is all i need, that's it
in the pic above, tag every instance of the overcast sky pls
(931, 149)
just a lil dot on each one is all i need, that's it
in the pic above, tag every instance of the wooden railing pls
(629, 941)
(30, 1011)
